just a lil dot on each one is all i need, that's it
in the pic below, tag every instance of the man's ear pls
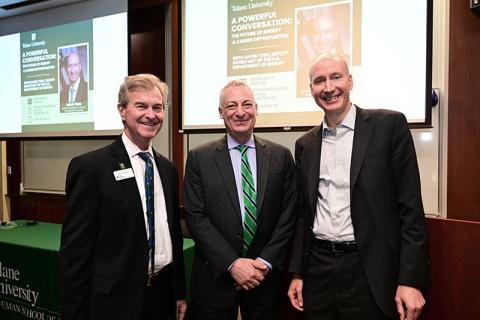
(121, 111)
(220, 113)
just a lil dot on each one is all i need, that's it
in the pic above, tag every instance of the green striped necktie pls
(249, 200)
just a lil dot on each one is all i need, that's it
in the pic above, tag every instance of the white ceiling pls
(30, 6)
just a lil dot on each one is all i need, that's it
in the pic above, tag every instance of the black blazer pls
(386, 203)
(104, 249)
(213, 215)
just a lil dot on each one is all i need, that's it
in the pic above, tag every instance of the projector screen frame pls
(294, 128)
(76, 134)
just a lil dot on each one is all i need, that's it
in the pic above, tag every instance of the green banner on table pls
(29, 270)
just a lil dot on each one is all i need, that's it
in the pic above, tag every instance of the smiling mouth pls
(149, 124)
(330, 98)
(241, 122)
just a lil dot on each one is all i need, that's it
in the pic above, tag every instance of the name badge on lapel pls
(123, 174)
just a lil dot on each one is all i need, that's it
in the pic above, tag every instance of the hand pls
(181, 309)
(261, 266)
(410, 302)
(295, 293)
(245, 274)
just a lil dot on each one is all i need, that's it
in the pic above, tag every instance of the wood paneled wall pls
(42, 207)
(463, 186)
(454, 248)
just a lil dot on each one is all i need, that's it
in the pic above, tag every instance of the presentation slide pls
(64, 80)
(271, 45)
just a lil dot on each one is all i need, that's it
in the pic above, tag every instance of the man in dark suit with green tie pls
(239, 207)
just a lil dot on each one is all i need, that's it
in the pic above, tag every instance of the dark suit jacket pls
(82, 92)
(213, 216)
(104, 249)
(386, 204)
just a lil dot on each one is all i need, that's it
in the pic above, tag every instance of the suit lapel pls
(263, 161)
(361, 139)
(224, 166)
(129, 186)
(314, 148)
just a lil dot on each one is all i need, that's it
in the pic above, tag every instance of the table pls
(29, 270)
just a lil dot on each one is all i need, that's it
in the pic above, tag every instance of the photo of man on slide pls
(74, 87)
(322, 29)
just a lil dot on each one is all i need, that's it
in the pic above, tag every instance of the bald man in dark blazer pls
(360, 247)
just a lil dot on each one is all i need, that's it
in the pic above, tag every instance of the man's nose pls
(329, 86)
(240, 111)
(149, 113)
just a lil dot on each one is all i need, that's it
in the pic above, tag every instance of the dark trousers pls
(159, 302)
(335, 288)
(261, 303)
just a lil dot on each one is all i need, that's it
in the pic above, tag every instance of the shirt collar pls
(232, 143)
(132, 148)
(348, 122)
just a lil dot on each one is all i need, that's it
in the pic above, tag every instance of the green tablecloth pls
(29, 270)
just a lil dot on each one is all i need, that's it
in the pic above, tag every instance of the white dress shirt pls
(333, 217)
(163, 242)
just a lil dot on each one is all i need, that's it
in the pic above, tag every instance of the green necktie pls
(249, 200)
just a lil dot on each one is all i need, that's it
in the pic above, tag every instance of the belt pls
(335, 247)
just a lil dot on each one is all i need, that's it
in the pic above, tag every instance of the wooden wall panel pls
(147, 52)
(46, 208)
(177, 136)
(463, 184)
(14, 162)
(454, 248)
